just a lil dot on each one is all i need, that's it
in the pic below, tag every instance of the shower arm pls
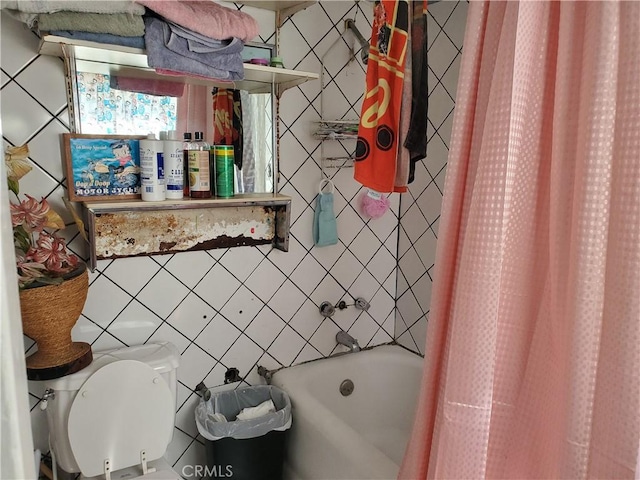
(364, 44)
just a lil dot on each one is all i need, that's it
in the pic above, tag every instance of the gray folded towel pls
(157, 33)
(178, 40)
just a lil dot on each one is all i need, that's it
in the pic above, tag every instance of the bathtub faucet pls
(343, 338)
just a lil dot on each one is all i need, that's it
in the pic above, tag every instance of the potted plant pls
(53, 282)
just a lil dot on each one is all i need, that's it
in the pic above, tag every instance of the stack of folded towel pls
(197, 37)
(192, 37)
(116, 21)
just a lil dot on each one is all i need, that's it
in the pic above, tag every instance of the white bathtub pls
(360, 436)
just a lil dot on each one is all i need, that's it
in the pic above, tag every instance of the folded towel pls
(229, 67)
(113, 23)
(87, 6)
(147, 86)
(180, 41)
(207, 18)
(258, 411)
(134, 42)
(199, 43)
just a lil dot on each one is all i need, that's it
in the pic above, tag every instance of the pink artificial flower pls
(30, 213)
(53, 254)
(28, 271)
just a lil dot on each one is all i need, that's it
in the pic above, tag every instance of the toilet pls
(115, 418)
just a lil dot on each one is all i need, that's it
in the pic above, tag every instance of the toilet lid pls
(121, 410)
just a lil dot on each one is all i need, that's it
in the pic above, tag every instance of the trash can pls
(247, 449)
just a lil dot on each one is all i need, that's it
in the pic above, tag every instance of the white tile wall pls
(420, 207)
(246, 306)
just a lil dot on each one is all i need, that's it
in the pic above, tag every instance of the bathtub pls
(359, 436)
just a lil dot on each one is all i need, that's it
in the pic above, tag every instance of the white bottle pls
(152, 166)
(174, 165)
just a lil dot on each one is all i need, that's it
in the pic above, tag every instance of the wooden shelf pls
(132, 228)
(132, 62)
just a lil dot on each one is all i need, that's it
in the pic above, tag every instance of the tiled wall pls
(243, 306)
(420, 207)
(254, 305)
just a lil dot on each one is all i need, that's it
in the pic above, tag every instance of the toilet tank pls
(163, 357)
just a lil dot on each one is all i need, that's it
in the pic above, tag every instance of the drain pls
(346, 387)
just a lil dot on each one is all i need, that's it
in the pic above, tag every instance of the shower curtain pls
(532, 366)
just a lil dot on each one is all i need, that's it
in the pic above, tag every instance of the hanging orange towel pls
(227, 121)
(377, 147)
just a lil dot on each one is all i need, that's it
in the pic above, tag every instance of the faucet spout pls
(343, 338)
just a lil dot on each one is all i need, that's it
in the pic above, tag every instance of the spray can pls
(199, 180)
(152, 166)
(223, 155)
(173, 159)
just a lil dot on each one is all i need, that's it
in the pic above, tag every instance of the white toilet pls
(114, 419)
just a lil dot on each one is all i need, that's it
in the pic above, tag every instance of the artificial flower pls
(40, 255)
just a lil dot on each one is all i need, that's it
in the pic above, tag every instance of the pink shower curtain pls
(195, 112)
(532, 365)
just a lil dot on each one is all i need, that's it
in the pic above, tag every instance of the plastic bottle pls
(224, 167)
(174, 160)
(199, 179)
(152, 166)
(186, 146)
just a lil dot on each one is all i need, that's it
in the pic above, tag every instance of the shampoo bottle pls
(152, 166)
(199, 179)
(174, 159)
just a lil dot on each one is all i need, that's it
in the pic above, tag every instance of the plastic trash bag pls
(231, 402)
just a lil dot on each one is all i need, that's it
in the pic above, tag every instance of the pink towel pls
(206, 17)
(148, 86)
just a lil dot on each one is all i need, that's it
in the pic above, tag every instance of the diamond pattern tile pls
(52, 94)
(242, 307)
(189, 267)
(17, 129)
(217, 286)
(44, 148)
(191, 316)
(218, 336)
(100, 311)
(195, 299)
(307, 320)
(163, 293)
(265, 328)
(120, 273)
(18, 47)
(265, 280)
(243, 354)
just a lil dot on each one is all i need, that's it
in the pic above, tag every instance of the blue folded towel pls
(325, 230)
(157, 32)
(108, 38)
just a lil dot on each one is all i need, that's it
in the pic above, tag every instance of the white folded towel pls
(257, 411)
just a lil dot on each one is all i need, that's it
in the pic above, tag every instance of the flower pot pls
(49, 312)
